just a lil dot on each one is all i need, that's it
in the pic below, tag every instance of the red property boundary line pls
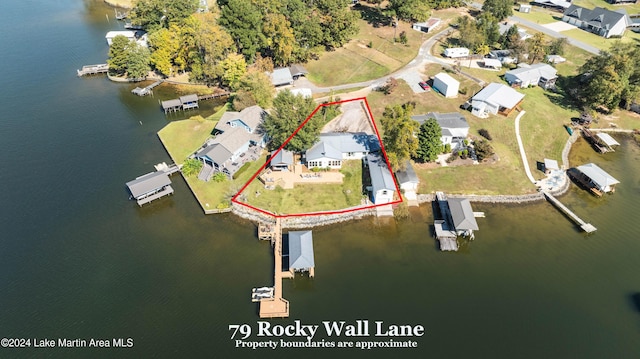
(310, 214)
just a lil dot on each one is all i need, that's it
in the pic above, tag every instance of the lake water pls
(78, 260)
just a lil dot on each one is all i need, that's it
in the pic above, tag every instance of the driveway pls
(412, 77)
(559, 26)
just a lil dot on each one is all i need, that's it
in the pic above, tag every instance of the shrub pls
(315, 169)
(370, 44)
(485, 133)
(483, 149)
(463, 91)
(403, 38)
(464, 154)
(401, 211)
(389, 86)
(219, 177)
(241, 170)
(191, 166)
(447, 148)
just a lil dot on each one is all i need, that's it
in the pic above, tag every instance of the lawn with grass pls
(182, 138)
(305, 198)
(540, 16)
(629, 8)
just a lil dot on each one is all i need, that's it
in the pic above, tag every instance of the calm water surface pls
(78, 260)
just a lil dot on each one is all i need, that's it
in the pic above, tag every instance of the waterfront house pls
(595, 178)
(334, 147)
(495, 99)
(540, 74)
(146, 188)
(426, 26)
(446, 85)
(408, 181)
(454, 126)
(281, 160)
(301, 252)
(238, 139)
(599, 21)
(129, 34)
(383, 185)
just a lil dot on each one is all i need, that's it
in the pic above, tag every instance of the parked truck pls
(454, 52)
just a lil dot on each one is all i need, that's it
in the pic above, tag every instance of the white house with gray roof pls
(599, 21)
(495, 99)
(540, 74)
(455, 128)
(236, 133)
(383, 185)
(334, 147)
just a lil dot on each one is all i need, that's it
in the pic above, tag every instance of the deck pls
(161, 193)
(587, 227)
(145, 90)
(93, 69)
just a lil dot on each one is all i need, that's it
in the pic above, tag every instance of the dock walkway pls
(145, 90)
(587, 227)
(276, 306)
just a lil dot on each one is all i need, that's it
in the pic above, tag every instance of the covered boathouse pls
(146, 188)
(301, 252)
(595, 179)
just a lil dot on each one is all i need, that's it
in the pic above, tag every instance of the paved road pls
(554, 34)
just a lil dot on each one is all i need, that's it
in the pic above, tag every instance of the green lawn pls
(310, 197)
(630, 8)
(181, 138)
(599, 41)
(539, 16)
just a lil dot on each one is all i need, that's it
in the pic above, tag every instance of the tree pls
(234, 67)
(256, 85)
(487, 25)
(137, 61)
(469, 36)
(483, 49)
(536, 47)
(155, 14)
(118, 55)
(411, 10)
(557, 46)
(243, 21)
(501, 9)
(483, 149)
(612, 77)
(191, 167)
(165, 44)
(280, 39)
(429, 143)
(399, 137)
(288, 113)
(338, 22)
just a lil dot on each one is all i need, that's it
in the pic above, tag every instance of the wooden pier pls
(213, 95)
(93, 70)
(145, 90)
(274, 306)
(593, 140)
(587, 227)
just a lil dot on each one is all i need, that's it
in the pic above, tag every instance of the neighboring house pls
(129, 34)
(302, 91)
(492, 64)
(502, 55)
(427, 26)
(446, 85)
(332, 148)
(495, 99)
(524, 8)
(281, 160)
(558, 5)
(454, 52)
(408, 181)
(301, 252)
(382, 184)
(281, 77)
(599, 21)
(454, 127)
(236, 133)
(543, 75)
(615, 2)
(503, 27)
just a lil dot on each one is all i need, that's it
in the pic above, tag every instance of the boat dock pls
(587, 227)
(593, 140)
(444, 231)
(130, 26)
(145, 90)
(168, 169)
(272, 305)
(93, 70)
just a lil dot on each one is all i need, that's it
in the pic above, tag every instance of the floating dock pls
(587, 227)
(93, 69)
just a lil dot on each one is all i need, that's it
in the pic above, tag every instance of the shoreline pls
(115, 3)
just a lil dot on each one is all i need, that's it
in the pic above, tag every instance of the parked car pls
(424, 85)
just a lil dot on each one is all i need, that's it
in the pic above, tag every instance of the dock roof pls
(607, 139)
(170, 104)
(597, 175)
(189, 98)
(301, 250)
(462, 214)
(148, 183)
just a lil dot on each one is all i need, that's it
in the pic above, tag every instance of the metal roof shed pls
(601, 179)
(301, 251)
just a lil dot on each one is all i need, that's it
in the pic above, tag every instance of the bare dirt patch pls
(353, 119)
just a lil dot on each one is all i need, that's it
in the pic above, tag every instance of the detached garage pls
(446, 85)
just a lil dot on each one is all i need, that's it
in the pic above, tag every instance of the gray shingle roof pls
(534, 72)
(462, 214)
(189, 98)
(171, 103)
(334, 144)
(408, 175)
(323, 150)
(598, 17)
(301, 250)
(216, 153)
(281, 76)
(381, 178)
(445, 120)
(297, 70)
(283, 157)
(148, 183)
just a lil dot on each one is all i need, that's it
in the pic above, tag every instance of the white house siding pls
(618, 29)
(383, 196)
(447, 85)
(489, 108)
(324, 163)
